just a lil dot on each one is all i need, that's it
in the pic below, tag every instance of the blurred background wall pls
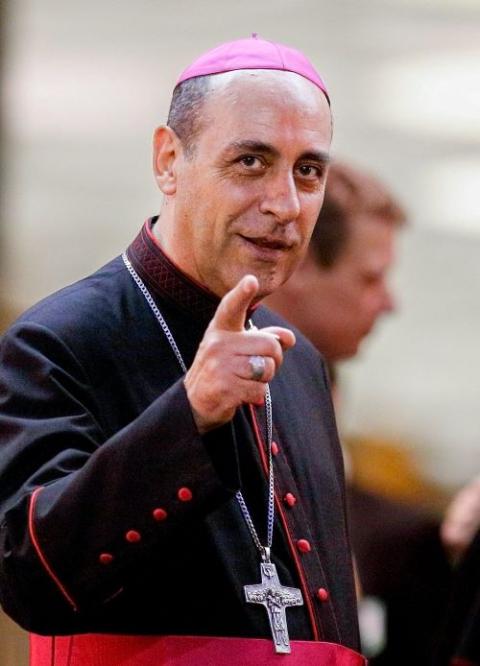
(84, 84)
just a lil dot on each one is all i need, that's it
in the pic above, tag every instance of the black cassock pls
(116, 516)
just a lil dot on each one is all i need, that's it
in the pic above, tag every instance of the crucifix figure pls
(275, 597)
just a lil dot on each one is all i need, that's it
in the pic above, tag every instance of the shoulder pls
(80, 306)
(82, 319)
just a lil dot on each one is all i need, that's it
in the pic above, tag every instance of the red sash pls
(117, 650)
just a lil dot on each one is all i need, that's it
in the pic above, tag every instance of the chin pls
(353, 351)
(342, 353)
(268, 280)
(268, 283)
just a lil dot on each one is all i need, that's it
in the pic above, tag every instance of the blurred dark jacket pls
(401, 562)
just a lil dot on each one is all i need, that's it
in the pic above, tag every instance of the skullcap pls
(253, 53)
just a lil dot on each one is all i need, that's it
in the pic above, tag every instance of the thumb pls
(231, 313)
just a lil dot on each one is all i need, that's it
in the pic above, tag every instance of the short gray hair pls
(184, 116)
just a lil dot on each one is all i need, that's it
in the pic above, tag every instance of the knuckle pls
(222, 394)
(276, 356)
(258, 392)
(270, 371)
(212, 365)
(275, 347)
(213, 343)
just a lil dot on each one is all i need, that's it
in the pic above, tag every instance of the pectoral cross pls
(276, 598)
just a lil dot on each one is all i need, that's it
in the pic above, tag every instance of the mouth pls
(268, 243)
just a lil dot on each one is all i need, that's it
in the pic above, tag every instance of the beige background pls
(86, 83)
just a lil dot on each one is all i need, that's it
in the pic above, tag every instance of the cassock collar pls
(165, 279)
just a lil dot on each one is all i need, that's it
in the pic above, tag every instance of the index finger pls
(285, 336)
(232, 311)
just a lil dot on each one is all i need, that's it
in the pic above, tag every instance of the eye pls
(251, 162)
(310, 171)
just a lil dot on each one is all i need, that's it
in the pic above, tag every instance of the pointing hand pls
(222, 376)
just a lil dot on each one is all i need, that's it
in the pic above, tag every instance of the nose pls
(280, 197)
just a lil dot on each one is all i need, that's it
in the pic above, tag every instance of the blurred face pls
(340, 305)
(247, 199)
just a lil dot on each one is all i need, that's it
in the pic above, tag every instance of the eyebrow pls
(253, 146)
(316, 156)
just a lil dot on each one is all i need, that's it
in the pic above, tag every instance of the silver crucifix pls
(276, 598)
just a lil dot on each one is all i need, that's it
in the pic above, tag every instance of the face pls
(247, 199)
(343, 303)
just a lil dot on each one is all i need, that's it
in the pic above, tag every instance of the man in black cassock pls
(137, 452)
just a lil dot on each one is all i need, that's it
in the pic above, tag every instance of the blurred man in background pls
(335, 297)
(340, 289)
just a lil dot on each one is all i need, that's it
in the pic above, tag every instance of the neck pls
(164, 242)
(160, 229)
(168, 236)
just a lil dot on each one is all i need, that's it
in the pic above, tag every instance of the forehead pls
(267, 105)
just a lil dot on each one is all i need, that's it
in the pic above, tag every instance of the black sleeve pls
(78, 510)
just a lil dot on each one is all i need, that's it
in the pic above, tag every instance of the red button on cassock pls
(159, 514)
(275, 449)
(132, 536)
(184, 494)
(290, 499)
(304, 546)
(322, 594)
(105, 558)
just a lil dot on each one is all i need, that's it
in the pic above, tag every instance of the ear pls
(166, 150)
